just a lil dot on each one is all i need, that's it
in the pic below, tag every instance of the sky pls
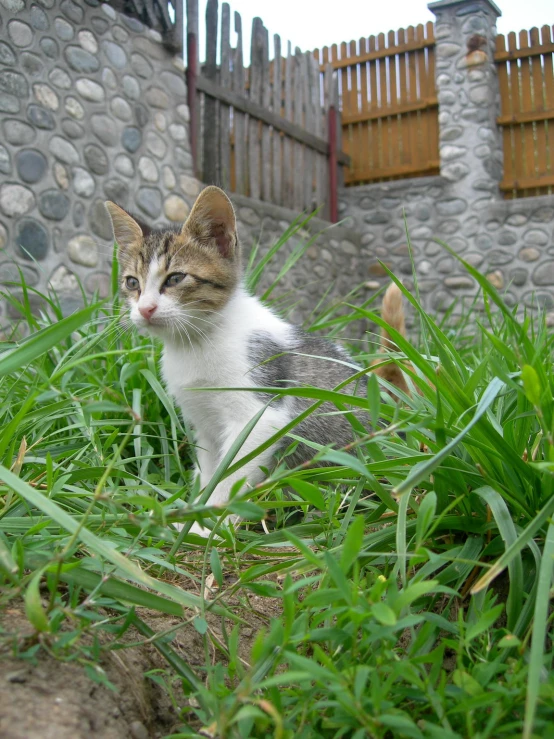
(311, 24)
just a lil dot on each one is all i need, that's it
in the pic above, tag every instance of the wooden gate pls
(268, 131)
(389, 104)
(527, 111)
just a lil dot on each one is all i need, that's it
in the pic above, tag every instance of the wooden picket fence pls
(268, 131)
(388, 103)
(525, 72)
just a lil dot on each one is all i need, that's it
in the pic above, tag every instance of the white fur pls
(213, 353)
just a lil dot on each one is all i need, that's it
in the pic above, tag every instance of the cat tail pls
(392, 311)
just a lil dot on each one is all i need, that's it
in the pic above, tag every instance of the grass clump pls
(402, 591)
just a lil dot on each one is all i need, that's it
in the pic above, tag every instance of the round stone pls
(83, 183)
(529, 254)
(17, 132)
(64, 30)
(458, 283)
(63, 281)
(155, 145)
(90, 90)
(63, 150)
(10, 272)
(160, 122)
(142, 115)
(74, 108)
(88, 41)
(131, 139)
(157, 98)
(81, 60)
(3, 236)
(53, 205)
(177, 132)
(61, 176)
(83, 250)
(168, 177)
(31, 64)
(176, 209)
(100, 25)
(100, 221)
(190, 185)
(183, 112)
(149, 200)
(121, 109)
(115, 54)
(506, 237)
(141, 66)
(16, 200)
(104, 128)
(60, 79)
(72, 129)
(544, 274)
(9, 103)
(72, 10)
(31, 165)
(451, 206)
(96, 159)
(183, 159)
(109, 79)
(133, 23)
(32, 239)
(39, 19)
(175, 83)
(124, 165)
(109, 11)
(117, 190)
(13, 83)
(50, 47)
(518, 276)
(496, 279)
(536, 237)
(543, 215)
(78, 214)
(148, 170)
(131, 87)
(41, 118)
(7, 56)
(46, 96)
(539, 300)
(99, 283)
(20, 33)
(120, 34)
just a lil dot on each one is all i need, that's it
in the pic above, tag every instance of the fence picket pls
(239, 123)
(209, 128)
(277, 139)
(225, 110)
(256, 56)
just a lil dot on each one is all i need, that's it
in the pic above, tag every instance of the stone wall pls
(511, 241)
(92, 107)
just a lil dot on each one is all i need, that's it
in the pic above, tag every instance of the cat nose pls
(147, 311)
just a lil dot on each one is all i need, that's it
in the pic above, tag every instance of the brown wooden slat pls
(239, 123)
(225, 110)
(433, 115)
(381, 53)
(422, 135)
(383, 124)
(288, 164)
(373, 126)
(266, 133)
(404, 155)
(277, 139)
(308, 172)
(548, 71)
(506, 107)
(512, 54)
(527, 183)
(402, 171)
(297, 148)
(526, 100)
(394, 108)
(210, 149)
(255, 75)
(517, 137)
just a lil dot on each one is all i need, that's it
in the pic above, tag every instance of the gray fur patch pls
(270, 363)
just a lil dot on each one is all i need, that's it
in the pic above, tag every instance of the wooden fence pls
(389, 104)
(268, 131)
(527, 113)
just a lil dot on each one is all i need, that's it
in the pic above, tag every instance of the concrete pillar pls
(469, 101)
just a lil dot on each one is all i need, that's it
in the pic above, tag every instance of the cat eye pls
(132, 283)
(174, 279)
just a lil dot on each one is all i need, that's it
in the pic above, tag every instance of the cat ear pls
(213, 219)
(126, 230)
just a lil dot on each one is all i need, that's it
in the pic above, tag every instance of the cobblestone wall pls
(92, 107)
(511, 241)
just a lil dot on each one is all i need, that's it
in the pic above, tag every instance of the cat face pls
(175, 282)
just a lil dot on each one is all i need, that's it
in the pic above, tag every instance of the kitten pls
(184, 287)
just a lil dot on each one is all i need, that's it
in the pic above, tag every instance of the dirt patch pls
(53, 699)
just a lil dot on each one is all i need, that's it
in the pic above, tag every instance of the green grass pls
(411, 579)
